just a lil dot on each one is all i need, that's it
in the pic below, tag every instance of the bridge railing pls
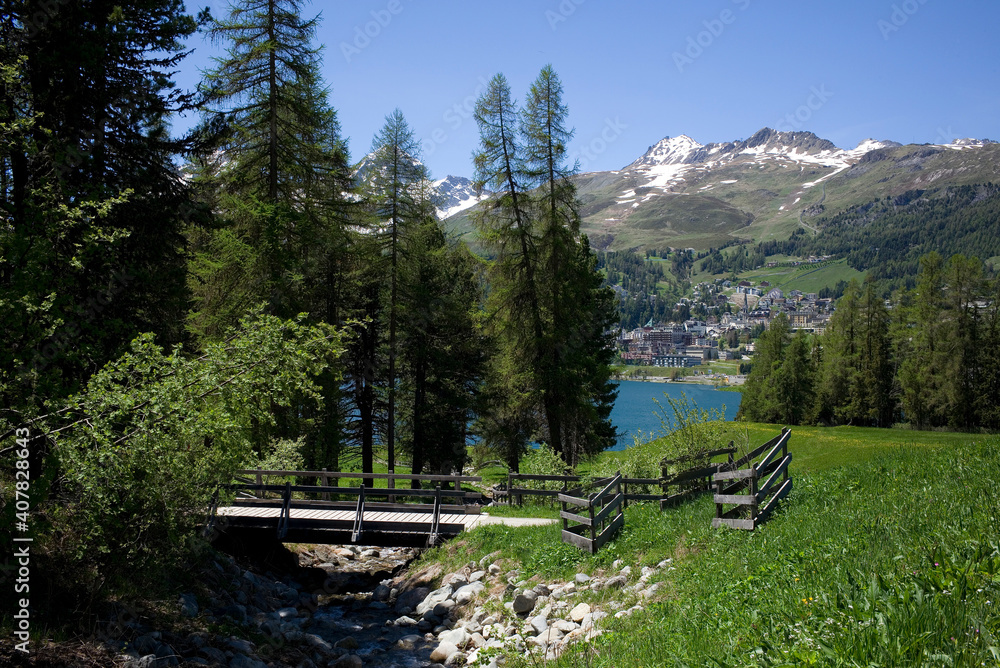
(254, 483)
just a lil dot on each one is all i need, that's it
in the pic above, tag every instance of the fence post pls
(593, 529)
(326, 483)
(260, 482)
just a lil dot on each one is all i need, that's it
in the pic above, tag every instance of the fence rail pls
(601, 517)
(753, 501)
(516, 494)
(693, 481)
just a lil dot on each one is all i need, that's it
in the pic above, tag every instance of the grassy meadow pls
(886, 553)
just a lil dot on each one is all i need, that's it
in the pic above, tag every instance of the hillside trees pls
(545, 303)
(276, 184)
(929, 360)
(91, 251)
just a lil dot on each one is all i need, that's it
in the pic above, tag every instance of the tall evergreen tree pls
(276, 184)
(919, 348)
(514, 310)
(873, 398)
(92, 253)
(396, 183)
(280, 172)
(577, 313)
(837, 375)
(442, 350)
(761, 399)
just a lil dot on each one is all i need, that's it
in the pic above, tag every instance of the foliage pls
(155, 433)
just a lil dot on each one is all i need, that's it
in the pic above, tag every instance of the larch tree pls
(577, 312)
(514, 317)
(395, 182)
(277, 184)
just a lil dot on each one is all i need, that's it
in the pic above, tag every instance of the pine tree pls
(875, 370)
(396, 184)
(761, 397)
(838, 373)
(577, 312)
(442, 350)
(513, 308)
(280, 172)
(918, 342)
(276, 184)
(93, 252)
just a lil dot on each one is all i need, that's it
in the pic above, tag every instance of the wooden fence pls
(687, 484)
(752, 500)
(255, 480)
(514, 494)
(591, 520)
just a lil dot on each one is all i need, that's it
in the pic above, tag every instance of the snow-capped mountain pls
(456, 194)
(683, 192)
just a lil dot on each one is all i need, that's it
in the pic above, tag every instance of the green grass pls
(886, 553)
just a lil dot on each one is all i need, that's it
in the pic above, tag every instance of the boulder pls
(578, 613)
(539, 624)
(457, 637)
(581, 578)
(465, 594)
(443, 651)
(524, 603)
(189, 605)
(432, 599)
(408, 600)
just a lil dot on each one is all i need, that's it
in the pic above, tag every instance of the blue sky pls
(634, 72)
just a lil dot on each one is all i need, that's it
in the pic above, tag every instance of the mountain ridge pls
(681, 193)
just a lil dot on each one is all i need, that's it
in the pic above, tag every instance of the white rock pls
(457, 637)
(539, 623)
(565, 626)
(578, 613)
(437, 596)
(443, 651)
(465, 594)
(582, 578)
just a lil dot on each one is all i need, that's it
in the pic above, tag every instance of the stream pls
(356, 614)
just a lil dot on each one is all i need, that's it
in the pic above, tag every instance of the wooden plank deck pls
(384, 522)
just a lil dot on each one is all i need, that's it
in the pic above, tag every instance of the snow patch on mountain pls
(456, 194)
(667, 163)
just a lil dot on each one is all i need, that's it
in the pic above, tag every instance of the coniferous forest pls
(174, 308)
(926, 357)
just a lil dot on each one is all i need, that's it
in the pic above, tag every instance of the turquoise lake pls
(634, 408)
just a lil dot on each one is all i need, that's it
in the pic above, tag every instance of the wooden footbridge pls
(334, 515)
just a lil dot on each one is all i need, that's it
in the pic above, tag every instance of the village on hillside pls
(733, 310)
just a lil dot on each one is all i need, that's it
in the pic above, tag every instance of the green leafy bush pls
(155, 433)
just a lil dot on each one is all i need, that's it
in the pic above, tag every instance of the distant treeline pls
(887, 236)
(931, 357)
